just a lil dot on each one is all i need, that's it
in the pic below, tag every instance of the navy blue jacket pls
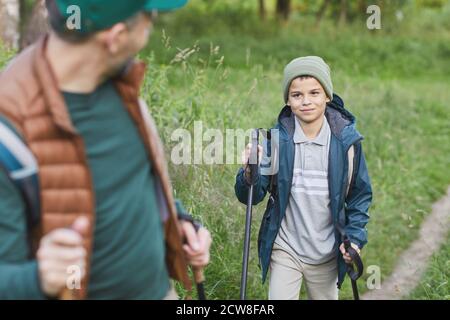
(349, 212)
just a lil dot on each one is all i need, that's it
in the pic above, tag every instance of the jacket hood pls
(342, 122)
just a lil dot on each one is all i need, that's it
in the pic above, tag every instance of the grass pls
(5, 55)
(395, 82)
(435, 283)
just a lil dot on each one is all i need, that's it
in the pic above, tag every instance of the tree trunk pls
(362, 7)
(343, 13)
(36, 26)
(262, 10)
(283, 9)
(322, 10)
(9, 23)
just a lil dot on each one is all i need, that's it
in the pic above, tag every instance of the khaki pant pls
(287, 273)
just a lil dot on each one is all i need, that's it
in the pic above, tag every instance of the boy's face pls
(307, 99)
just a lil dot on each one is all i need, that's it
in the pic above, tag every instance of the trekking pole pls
(253, 166)
(352, 273)
(356, 268)
(199, 278)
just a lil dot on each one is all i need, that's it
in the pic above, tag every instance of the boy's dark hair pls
(304, 77)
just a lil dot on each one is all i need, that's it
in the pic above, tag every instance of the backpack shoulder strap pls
(20, 166)
(351, 156)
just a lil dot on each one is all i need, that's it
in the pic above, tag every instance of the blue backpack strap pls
(21, 167)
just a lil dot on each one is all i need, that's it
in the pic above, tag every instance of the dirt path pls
(413, 261)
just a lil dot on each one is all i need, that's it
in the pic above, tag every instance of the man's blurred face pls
(139, 33)
(124, 40)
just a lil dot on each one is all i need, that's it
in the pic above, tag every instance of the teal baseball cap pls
(89, 16)
(164, 5)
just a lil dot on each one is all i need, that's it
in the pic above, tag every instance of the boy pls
(299, 237)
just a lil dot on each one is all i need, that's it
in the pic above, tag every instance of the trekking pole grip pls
(253, 158)
(199, 275)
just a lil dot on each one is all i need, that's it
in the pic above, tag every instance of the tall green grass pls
(435, 283)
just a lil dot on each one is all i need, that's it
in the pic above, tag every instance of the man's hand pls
(59, 250)
(345, 255)
(198, 243)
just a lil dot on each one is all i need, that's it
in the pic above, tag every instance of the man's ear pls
(114, 36)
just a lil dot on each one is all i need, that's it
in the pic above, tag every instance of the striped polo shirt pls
(307, 227)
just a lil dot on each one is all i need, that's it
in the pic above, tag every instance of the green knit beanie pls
(308, 66)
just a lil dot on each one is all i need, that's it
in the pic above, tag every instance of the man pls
(300, 234)
(107, 209)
